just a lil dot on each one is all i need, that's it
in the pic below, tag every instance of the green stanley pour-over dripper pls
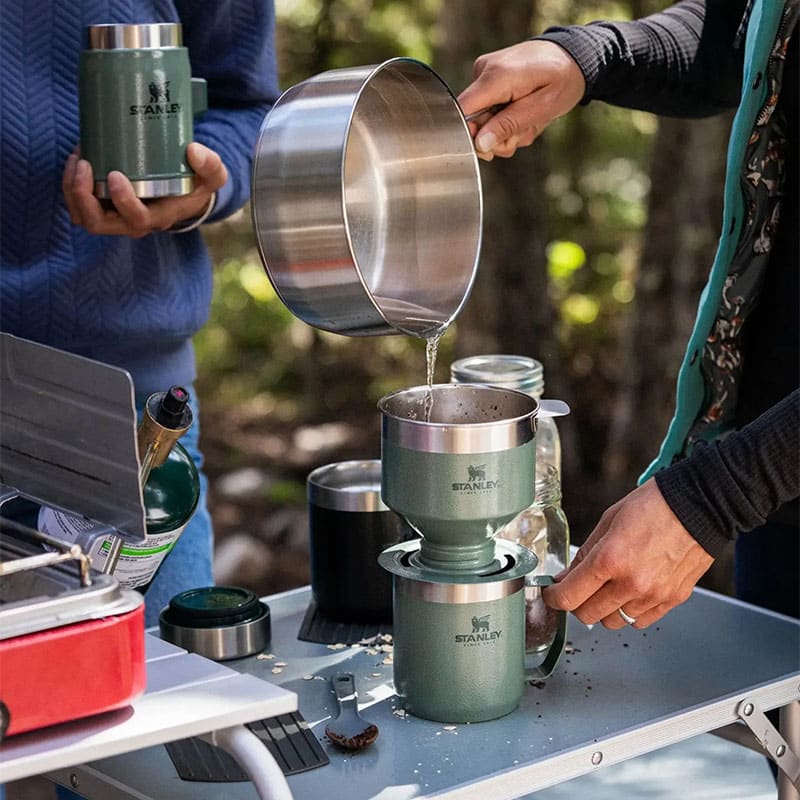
(457, 462)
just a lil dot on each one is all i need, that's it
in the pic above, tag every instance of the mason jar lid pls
(147, 36)
(505, 371)
(347, 486)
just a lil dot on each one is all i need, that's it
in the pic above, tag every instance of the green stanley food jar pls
(137, 102)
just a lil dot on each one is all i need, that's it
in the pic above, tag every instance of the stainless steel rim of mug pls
(347, 486)
(151, 189)
(147, 36)
(458, 593)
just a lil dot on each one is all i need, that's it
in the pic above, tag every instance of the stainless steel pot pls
(366, 200)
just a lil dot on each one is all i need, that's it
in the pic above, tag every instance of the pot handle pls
(492, 110)
(545, 668)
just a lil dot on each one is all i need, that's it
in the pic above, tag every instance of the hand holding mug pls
(129, 215)
(637, 564)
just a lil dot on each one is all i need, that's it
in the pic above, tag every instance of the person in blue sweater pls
(131, 284)
(728, 468)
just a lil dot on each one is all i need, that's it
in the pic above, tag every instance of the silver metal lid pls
(148, 36)
(506, 371)
(347, 486)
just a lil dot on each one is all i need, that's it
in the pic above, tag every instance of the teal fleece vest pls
(761, 32)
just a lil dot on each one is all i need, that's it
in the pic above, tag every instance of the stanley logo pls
(476, 480)
(159, 102)
(481, 633)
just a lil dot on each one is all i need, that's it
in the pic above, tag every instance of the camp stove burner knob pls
(5, 718)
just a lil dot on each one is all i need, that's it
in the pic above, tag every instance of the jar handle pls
(199, 96)
(545, 668)
(553, 408)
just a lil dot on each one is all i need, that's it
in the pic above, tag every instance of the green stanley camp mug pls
(137, 103)
(459, 641)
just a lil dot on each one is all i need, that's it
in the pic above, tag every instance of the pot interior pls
(412, 197)
(458, 404)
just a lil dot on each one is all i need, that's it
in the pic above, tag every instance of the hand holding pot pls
(537, 79)
(129, 215)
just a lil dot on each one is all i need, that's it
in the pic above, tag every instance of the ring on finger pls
(629, 620)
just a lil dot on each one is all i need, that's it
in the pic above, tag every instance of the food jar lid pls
(214, 606)
(218, 622)
(506, 371)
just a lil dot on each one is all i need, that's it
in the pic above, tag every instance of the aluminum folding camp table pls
(712, 663)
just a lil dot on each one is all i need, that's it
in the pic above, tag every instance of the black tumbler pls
(349, 526)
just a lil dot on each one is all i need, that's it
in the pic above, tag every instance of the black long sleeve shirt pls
(687, 61)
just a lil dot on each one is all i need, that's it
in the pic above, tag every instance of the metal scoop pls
(349, 730)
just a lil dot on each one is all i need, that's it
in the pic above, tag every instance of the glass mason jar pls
(543, 529)
(520, 373)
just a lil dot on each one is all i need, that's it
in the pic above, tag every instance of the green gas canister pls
(170, 489)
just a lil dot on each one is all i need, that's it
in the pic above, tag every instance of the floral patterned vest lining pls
(762, 182)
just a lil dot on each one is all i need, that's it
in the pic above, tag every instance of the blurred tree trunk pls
(508, 310)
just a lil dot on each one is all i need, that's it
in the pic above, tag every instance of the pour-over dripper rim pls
(404, 419)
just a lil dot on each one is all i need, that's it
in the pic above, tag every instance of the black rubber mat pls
(321, 630)
(287, 737)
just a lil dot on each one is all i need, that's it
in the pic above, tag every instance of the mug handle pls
(199, 96)
(546, 667)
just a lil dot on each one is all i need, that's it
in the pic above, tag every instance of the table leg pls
(790, 730)
(254, 759)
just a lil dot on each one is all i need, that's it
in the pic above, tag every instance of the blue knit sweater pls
(134, 303)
